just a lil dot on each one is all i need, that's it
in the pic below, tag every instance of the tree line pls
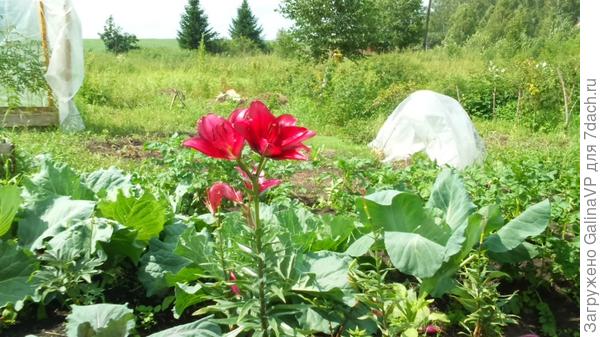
(195, 31)
(356, 27)
(353, 27)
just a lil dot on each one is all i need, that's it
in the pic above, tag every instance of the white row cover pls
(434, 123)
(65, 71)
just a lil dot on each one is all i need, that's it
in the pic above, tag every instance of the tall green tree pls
(245, 26)
(195, 28)
(399, 24)
(512, 23)
(323, 26)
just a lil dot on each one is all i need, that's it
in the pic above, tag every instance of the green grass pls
(96, 45)
(126, 101)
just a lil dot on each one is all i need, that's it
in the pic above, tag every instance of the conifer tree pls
(245, 25)
(195, 28)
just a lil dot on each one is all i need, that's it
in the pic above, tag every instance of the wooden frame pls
(24, 117)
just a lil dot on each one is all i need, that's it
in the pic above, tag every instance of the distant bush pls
(353, 96)
(115, 40)
(241, 46)
(285, 45)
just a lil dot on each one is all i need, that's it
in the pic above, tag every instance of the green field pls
(96, 45)
(128, 98)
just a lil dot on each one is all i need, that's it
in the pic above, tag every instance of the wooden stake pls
(566, 97)
(45, 47)
(425, 39)
(518, 113)
(68, 47)
(494, 103)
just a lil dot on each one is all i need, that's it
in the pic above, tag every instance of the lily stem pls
(221, 247)
(259, 249)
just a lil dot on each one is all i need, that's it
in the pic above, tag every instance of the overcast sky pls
(159, 19)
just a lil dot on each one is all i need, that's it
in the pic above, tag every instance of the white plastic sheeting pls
(434, 123)
(66, 67)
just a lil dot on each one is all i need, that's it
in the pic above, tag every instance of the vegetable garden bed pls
(400, 251)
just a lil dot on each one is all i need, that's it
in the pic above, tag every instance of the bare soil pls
(123, 147)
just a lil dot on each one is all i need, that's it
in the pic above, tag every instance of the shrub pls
(241, 46)
(115, 40)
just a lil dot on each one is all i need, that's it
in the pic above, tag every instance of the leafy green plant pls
(17, 265)
(115, 320)
(442, 232)
(399, 310)
(71, 241)
(102, 320)
(477, 292)
(145, 316)
(70, 260)
(10, 202)
(115, 40)
(21, 67)
(201, 327)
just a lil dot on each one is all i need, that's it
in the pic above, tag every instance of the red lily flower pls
(270, 136)
(217, 138)
(264, 183)
(217, 192)
(234, 288)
